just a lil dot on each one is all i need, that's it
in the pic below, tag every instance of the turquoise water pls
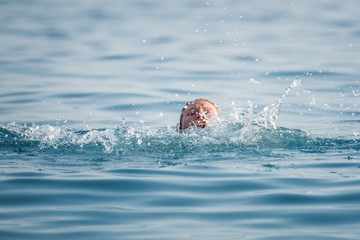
(91, 92)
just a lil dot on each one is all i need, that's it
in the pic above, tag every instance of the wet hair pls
(179, 127)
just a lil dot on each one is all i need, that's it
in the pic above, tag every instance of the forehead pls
(198, 104)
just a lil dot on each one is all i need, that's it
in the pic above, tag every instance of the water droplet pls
(254, 81)
(139, 141)
(312, 101)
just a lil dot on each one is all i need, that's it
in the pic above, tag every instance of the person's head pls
(197, 112)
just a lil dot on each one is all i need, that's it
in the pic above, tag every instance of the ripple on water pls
(127, 201)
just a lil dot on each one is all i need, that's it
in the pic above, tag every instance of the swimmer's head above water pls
(196, 113)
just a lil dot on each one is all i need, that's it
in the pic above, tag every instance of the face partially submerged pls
(196, 113)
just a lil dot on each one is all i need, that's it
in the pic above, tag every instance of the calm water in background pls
(91, 91)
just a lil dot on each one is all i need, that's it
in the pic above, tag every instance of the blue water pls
(91, 92)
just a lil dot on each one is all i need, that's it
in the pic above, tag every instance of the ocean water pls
(91, 92)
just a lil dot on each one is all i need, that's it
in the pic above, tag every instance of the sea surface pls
(91, 92)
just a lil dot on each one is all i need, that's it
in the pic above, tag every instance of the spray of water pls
(266, 118)
(241, 129)
(270, 113)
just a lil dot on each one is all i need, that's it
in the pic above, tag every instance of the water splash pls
(267, 117)
(164, 143)
(48, 136)
(242, 131)
(270, 113)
